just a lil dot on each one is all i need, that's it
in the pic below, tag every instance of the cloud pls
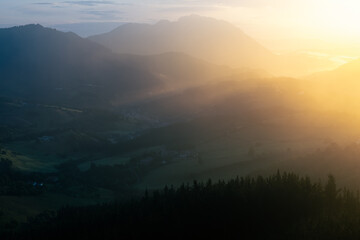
(233, 3)
(90, 3)
(186, 9)
(43, 3)
(134, 11)
(103, 14)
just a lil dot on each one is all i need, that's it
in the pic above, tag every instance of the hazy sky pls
(325, 19)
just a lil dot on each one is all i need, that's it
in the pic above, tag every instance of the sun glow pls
(335, 20)
(339, 18)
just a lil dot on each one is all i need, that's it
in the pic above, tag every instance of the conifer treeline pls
(282, 206)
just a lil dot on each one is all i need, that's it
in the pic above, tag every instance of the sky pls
(328, 20)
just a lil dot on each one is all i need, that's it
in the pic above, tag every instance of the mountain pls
(216, 41)
(86, 29)
(48, 66)
(346, 72)
(181, 70)
(213, 40)
(45, 65)
(338, 88)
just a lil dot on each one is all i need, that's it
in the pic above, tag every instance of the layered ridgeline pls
(206, 38)
(54, 83)
(48, 66)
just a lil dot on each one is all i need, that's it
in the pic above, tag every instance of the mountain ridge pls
(199, 44)
(209, 39)
(42, 63)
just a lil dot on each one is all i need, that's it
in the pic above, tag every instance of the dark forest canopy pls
(282, 206)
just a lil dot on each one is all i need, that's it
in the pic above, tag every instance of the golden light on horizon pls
(339, 17)
(332, 20)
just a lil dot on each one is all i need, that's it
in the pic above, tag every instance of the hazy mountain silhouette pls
(43, 64)
(347, 71)
(86, 29)
(216, 41)
(213, 40)
(345, 77)
(46, 65)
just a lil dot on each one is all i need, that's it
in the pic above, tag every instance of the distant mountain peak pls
(28, 27)
(34, 25)
(48, 66)
(210, 39)
(195, 17)
(163, 22)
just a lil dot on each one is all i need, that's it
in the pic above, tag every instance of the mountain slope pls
(48, 66)
(213, 40)
(216, 41)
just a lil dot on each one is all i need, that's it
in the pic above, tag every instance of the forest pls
(280, 206)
